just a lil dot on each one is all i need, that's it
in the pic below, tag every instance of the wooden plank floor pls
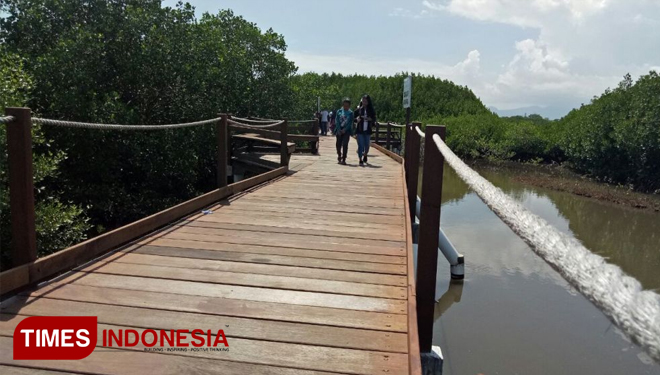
(308, 274)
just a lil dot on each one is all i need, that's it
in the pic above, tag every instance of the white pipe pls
(455, 259)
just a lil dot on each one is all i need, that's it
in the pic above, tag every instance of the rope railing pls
(619, 296)
(395, 125)
(6, 119)
(252, 118)
(88, 125)
(23, 250)
(255, 122)
(232, 121)
(419, 131)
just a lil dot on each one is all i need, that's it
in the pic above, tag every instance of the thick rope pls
(86, 125)
(256, 122)
(267, 126)
(6, 119)
(420, 132)
(397, 125)
(619, 296)
(391, 124)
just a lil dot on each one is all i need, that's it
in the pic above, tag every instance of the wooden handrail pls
(27, 269)
(47, 267)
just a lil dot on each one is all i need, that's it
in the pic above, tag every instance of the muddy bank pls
(562, 179)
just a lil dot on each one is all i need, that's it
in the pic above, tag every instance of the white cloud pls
(526, 13)
(537, 77)
(583, 46)
(433, 6)
(407, 13)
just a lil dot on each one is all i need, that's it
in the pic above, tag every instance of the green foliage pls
(59, 224)
(616, 138)
(135, 62)
(432, 96)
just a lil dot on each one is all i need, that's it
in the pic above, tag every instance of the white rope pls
(420, 132)
(256, 122)
(390, 124)
(619, 296)
(265, 126)
(6, 119)
(86, 125)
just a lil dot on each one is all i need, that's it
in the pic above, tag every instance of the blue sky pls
(552, 55)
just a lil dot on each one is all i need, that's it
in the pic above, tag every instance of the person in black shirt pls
(365, 116)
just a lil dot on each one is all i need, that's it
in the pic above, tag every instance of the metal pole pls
(222, 134)
(429, 227)
(21, 187)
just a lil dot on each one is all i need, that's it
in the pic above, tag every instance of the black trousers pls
(342, 145)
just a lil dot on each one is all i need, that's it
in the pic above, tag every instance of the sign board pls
(407, 92)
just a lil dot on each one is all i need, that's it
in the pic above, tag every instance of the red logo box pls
(55, 337)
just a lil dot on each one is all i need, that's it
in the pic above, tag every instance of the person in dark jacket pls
(366, 118)
(343, 130)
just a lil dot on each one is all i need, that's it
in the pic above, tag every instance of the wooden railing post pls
(21, 187)
(377, 132)
(284, 148)
(407, 160)
(315, 132)
(389, 135)
(412, 166)
(222, 130)
(429, 228)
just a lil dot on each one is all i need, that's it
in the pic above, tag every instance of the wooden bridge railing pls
(27, 270)
(393, 136)
(299, 131)
(429, 221)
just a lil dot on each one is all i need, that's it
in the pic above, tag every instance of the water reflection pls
(449, 297)
(627, 237)
(514, 313)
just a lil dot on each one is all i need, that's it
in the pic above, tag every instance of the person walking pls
(366, 117)
(343, 130)
(324, 122)
(331, 122)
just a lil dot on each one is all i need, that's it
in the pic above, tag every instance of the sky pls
(543, 56)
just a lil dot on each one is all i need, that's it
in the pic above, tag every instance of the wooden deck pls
(306, 274)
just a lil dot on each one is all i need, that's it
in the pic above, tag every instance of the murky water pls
(513, 314)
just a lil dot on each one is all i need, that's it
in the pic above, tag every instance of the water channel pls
(514, 314)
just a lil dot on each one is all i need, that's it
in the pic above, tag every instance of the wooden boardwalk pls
(306, 274)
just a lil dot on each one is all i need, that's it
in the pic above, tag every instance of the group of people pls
(342, 123)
